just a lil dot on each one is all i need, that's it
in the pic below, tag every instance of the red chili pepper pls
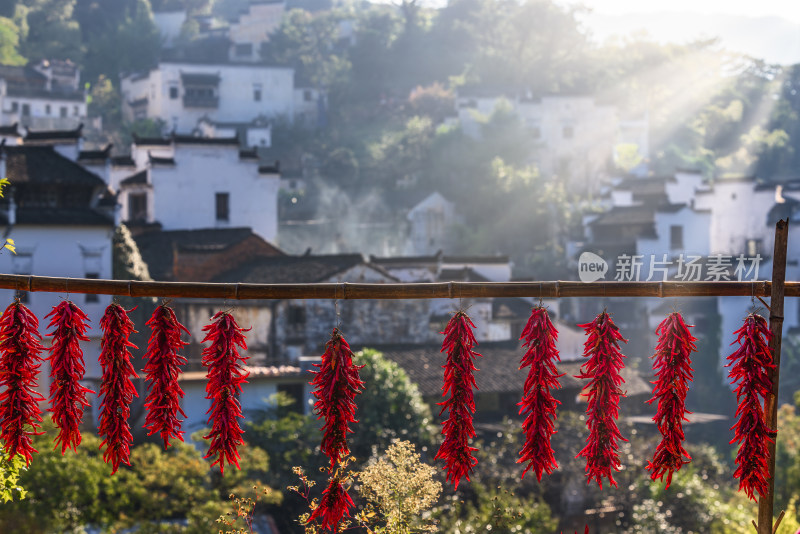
(226, 375)
(20, 346)
(336, 385)
(537, 400)
(459, 380)
(67, 395)
(673, 373)
(333, 506)
(163, 402)
(750, 366)
(603, 371)
(117, 387)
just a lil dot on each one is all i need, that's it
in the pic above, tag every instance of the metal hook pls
(541, 299)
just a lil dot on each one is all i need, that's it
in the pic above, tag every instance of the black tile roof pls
(138, 178)
(195, 140)
(155, 160)
(464, 274)
(624, 215)
(155, 141)
(270, 169)
(40, 92)
(156, 247)
(93, 155)
(10, 130)
(62, 216)
(53, 135)
(294, 269)
(200, 78)
(42, 164)
(123, 161)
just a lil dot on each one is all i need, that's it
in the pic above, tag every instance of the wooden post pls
(766, 502)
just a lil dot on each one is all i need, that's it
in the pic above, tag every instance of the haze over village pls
(307, 141)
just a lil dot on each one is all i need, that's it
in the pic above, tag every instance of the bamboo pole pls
(766, 502)
(354, 291)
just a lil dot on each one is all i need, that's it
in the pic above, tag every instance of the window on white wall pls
(222, 201)
(257, 92)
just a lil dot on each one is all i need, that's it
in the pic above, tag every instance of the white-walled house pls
(61, 217)
(181, 94)
(574, 136)
(262, 384)
(430, 222)
(189, 183)
(43, 95)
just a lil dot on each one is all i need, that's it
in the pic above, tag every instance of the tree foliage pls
(162, 491)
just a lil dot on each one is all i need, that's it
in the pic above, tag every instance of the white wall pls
(235, 91)
(56, 251)
(184, 195)
(430, 221)
(739, 213)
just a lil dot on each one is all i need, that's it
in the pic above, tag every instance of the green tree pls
(9, 43)
(52, 32)
(389, 408)
(10, 470)
(162, 491)
(307, 41)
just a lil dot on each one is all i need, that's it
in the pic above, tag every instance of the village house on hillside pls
(188, 183)
(62, 218)
(46, 95)
(575, 137)
(182, 94)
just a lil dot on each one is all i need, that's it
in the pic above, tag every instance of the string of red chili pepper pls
(336, 385)
(333, 506)
(163, 402)
(459, 380)
(603, 371)
(117, 386)
(750, 365)
(673, 373)
(67, 395)
(226, 375)
(537, 400)
(20, 360)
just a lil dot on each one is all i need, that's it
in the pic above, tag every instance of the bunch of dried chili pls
(750, 371)
(67, 394)
(673, 365)
(117, 387)
(226, 374)
(20, 360)
(163, 402)
(333, 506)
(537, 400)
(459, 380)
(336, 385)
(603, 371)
